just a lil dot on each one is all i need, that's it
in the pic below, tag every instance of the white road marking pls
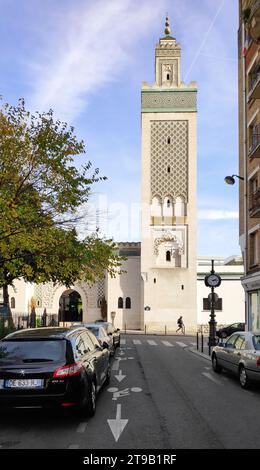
(193, 344)
(82, 427)
(120, 376)
(166, 343)
(137, 341)
(182, 345)
(74, 446)
(117, 425)
(210, 377)
(123, 341)
(152, 343)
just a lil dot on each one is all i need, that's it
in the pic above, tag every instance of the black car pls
(52, 367)
(111, 331)
(230, 329)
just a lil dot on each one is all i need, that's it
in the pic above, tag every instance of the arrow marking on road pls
(117, 425)
(120, 376)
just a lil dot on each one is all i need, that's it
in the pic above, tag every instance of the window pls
(168, 76)
(168, 203)
(12, 302)
(128, 303)
(154, 281)
(169, 140)
(218, 305)
(80, 347)
(231, 341)
(240, 342)
(168, 256)
(120, 303)
(253, 249)
(169, 169)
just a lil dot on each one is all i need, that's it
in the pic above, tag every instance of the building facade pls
(249, 154)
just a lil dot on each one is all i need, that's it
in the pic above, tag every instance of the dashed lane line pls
(82, 428)
(151, 342)
(73, 446)
(210, 377)
(123, 342)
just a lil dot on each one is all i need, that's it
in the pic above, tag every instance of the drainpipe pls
(245, 170)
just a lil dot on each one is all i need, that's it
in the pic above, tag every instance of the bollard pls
(125, 328)
(145, 329)
(209, 348)
(202, 343)
(197, 341)
(165, 330)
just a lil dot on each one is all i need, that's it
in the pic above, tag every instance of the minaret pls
(169, 155)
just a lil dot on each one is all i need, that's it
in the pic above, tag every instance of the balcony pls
(254, 149)
(254, 83)
(254, 204)
(254, 21)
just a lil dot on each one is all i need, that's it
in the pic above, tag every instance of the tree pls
(41, 190)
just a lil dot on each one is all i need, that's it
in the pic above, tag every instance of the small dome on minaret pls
(167, 26)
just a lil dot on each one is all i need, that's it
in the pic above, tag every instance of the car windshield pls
(256, 340)
(12, 352)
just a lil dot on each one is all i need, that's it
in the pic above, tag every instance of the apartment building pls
(249, 154)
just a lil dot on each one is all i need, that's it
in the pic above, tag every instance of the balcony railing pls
(254, 83)
(254, 148)
(254, 204)
(254, 21)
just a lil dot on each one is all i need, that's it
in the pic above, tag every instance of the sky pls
(86, 59)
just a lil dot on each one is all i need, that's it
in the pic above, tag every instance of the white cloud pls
(218, 215)
(90, 45)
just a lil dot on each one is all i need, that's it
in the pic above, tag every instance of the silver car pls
(240, 354)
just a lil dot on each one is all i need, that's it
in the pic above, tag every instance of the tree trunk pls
(7, 311)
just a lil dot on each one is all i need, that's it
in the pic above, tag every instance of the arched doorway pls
(70, 306)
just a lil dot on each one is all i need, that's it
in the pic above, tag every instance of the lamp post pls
(212, 281)
(231, 179)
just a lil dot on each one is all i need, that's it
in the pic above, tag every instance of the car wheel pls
(215, 365)
(243, 378)
(92, 399)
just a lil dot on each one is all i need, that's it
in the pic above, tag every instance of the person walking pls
(180, 325)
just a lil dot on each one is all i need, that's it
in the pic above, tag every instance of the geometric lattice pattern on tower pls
(169, 159)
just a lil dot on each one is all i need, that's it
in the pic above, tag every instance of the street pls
(161, 396)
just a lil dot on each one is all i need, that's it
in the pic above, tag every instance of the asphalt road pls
(161, 396)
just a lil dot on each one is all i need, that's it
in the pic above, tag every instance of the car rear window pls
(32, 351)
(256, 340)
(93, 330)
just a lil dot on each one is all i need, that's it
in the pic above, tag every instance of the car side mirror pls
(105, 345)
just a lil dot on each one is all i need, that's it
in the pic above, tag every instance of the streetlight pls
(231, 179)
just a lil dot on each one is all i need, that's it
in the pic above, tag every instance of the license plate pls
(24, 383)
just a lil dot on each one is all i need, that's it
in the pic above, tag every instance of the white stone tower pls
(169, 167)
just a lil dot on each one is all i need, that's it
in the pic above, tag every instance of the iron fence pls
(20, 321)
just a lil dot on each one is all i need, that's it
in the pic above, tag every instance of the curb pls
(197, 353)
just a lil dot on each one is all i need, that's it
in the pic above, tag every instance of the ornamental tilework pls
(44, 293)
(170, 100)
(171, 154)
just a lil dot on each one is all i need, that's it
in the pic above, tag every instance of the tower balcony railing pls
(254, 149)
(254, 83)
(254, 204)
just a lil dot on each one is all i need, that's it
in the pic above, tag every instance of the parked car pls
(230, 329)
(111, 331)
(240, 354)
(100, 333)
(52, 367)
